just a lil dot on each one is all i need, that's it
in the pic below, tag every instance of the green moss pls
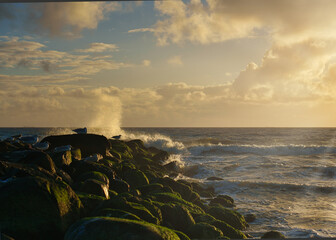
(176, 199)
(231, 217)
(204, 230)
(110, 212)
(135, 178)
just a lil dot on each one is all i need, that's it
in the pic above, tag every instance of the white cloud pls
(141, 30)
(99, 47)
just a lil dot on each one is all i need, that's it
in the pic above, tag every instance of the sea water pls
(284, 176)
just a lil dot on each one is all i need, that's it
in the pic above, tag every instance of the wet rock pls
(273, 234)
(106, 228)
(61, 158)
(81, 167)
(250, 217)
(223, 200)
(94, 175)
(37, 208)
(151, 188)
(89, 144)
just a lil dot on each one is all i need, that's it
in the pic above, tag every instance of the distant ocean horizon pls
(285, 176)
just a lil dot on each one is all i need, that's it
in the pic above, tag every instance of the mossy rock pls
(5, 237)
(135, 178)
(176, 217)
(82, 167)
(175, 198)
(37, 208)
(138, 209)
(204, 230)
(181, 235)
(121, 148)
(110, 212)
(119, 185)
(90, 201)
(41, 159)
(228, 230)
(222, 200)
(94, 175)
(273, 235)
(185, 191)
(203, 190)
(106, 228)
(93, 186)
(151, 188)
(231, 217)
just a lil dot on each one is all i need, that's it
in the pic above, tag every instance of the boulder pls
(94, 175)
(106, 228)
(119, 186)
(176, 217)
(95, 187)
(90, 202)
(89, 144)
(41, 159)
(250, 217)
(214, 178)
(61, 158)
(109, 212)
(231, 217)
(273, 235)
(37, 208)
(151, 188)
(81, 167)
(135, 178)
(223, 200)
(204, 230)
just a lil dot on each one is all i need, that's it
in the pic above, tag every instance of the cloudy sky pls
(190, 63)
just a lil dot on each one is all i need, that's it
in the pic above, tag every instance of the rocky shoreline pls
(106, 189)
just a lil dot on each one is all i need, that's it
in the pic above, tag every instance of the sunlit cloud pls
(68, 18)
(99, 47)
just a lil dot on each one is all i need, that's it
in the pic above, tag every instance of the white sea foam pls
(281, 150)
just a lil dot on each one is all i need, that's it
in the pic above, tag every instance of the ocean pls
(284, 176)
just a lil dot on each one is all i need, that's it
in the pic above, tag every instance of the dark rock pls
(203, 190)
(176, 217)
(231, 217)
(92, 186)
(5, 237)
(227, 230)
(121, 148)
(214, 179)
(9, 170)
(65, 176)
(40, 159)
(204, 230)
(7, 147)
(172, 166)
(181, 235)
(106, 228)
(94, 175)
(37, 208)
(161, 156)
(119, 186)
(273, 234)
(81, 167)
(61, 158)
(250, 217)
(90, 202)
(150, 188)
(135, 178)
(89, 144)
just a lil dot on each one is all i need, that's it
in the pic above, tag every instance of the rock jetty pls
(125, 193)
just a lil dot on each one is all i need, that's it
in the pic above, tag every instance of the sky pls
(190, 63)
